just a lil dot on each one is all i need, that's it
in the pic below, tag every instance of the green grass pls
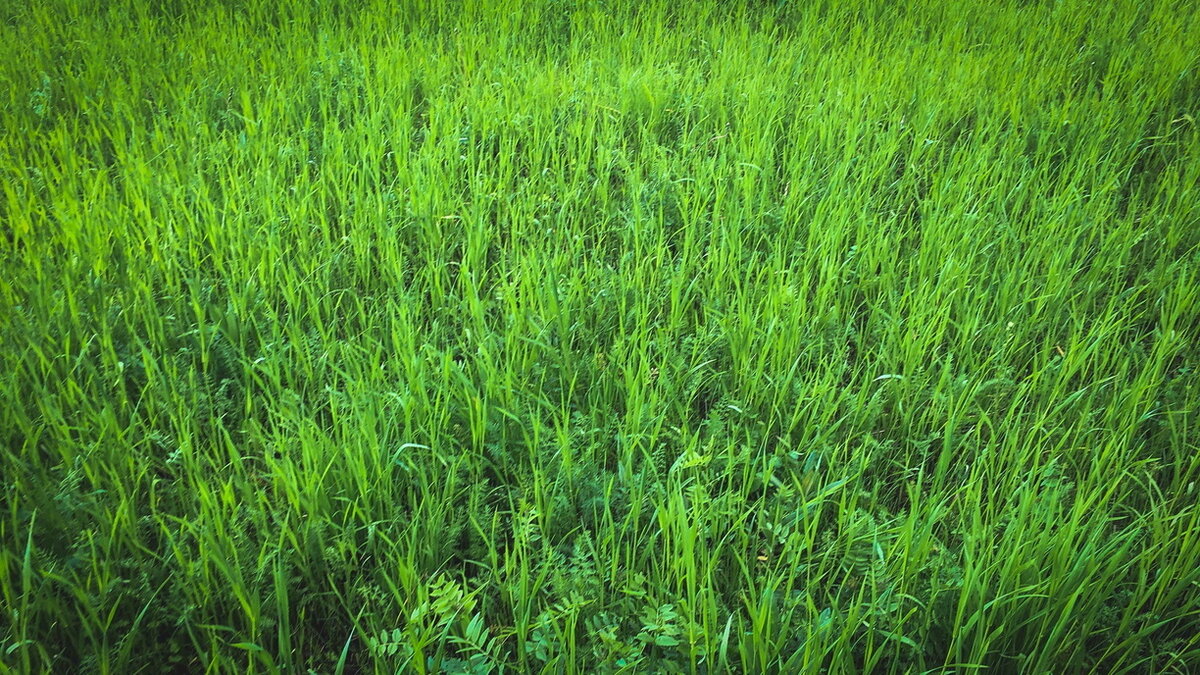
(573, 337)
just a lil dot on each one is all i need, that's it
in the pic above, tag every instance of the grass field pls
(572, 336)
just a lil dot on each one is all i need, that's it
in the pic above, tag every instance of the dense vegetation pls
(568, 336)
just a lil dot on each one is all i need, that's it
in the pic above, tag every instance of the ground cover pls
(579, 337)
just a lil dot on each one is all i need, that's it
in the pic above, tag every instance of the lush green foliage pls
(572, 336)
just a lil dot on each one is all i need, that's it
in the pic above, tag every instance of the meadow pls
(570, 336)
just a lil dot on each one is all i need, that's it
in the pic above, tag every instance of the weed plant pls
(566, 336)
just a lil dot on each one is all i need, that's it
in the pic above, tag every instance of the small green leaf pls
(16, 645)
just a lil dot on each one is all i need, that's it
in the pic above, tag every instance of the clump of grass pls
(599, 337)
